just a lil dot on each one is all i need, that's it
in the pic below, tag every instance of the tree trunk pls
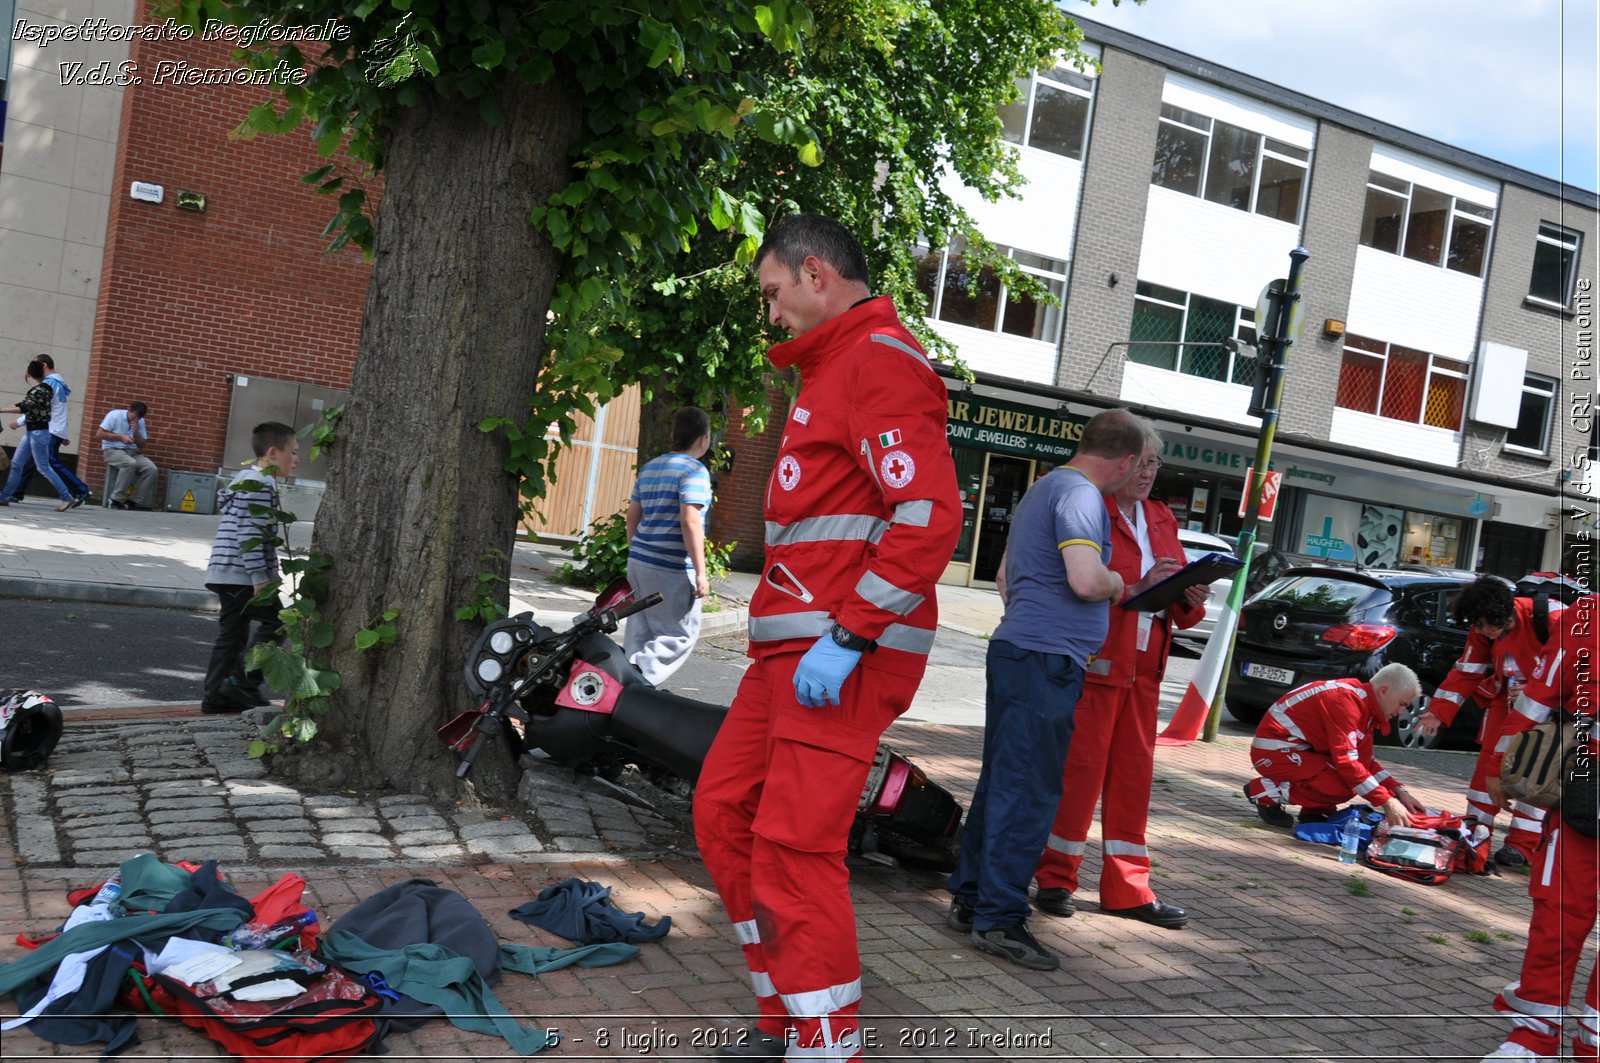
(418, 502)
(655, 419)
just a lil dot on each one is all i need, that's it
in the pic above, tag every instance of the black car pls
(1330, 622)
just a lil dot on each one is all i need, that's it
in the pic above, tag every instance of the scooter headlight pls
(490, 670)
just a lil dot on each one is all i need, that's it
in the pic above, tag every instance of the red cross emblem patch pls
(897, 468)
(788, 473)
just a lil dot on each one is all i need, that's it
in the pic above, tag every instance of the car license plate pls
(1269, 673)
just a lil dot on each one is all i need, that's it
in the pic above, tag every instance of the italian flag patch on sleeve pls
(891, 438)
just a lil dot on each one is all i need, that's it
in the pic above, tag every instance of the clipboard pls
(1207, 569)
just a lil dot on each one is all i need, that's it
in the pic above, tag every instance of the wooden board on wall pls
(579, 486)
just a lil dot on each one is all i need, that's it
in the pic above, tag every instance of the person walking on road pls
(862, 515)
(1113, 753)
(35, 407)
(667, 549)
(17, 481)
(1056, 587)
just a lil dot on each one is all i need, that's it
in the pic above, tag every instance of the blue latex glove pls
(822, 672)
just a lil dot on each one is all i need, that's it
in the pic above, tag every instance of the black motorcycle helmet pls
(30, 727)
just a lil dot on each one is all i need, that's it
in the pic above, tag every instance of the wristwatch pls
(851, 641)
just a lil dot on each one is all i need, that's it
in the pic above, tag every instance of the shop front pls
(1000, 449)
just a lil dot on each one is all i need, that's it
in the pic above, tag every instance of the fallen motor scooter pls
(575, 695)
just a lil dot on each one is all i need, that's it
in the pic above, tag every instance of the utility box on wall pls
(191, 492)
(256, 399)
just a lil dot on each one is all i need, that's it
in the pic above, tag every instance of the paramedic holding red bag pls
(862, 515)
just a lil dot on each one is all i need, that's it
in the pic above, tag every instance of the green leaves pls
(380, 631)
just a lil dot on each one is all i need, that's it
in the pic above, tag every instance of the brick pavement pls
(1291, 955)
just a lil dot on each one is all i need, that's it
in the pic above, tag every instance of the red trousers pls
(1111, 761)
(772, 815)
(1297, 777)
(1527, 822)
(1565, 887)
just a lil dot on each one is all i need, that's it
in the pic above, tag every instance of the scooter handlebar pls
(653, 598)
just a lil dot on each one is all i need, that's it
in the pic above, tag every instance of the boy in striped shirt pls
(667, 549)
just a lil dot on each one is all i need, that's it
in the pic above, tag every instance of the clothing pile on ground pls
(256, 976)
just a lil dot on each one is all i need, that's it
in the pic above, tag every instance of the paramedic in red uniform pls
(862, 515)
(1112, 756)
(1502, 648)
(1313, 748)
(1565, 878)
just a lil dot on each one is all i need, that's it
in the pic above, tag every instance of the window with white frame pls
(1206, 157)
(1401, 383)
(1533, 418)
(1183, 332)
(1051, 113)
(964, 294)
(1408, 219)
(1555, 264)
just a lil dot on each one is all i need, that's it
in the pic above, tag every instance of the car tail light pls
(1361, 637)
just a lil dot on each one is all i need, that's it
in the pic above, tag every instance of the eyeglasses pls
(1153, 463)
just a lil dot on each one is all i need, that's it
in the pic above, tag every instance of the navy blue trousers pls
(1028, 711)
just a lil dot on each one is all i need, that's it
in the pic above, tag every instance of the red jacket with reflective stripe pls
(1563, 680)
(1485, 665)
(1115, 662)
(862, 508)
(1335, 717)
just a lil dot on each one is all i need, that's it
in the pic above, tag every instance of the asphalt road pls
(102, 656)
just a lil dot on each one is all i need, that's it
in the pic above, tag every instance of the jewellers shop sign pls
(1026, 431)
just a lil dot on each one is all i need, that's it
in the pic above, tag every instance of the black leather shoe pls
(130, 504)
(751, 1044)
(1271, 813)
(1054, 901)
(1156, 913)
(960, 917)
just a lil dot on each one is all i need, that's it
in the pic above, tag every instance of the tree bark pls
(418, 501)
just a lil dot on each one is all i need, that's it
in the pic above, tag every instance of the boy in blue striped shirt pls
(244, 560)
(667, 549)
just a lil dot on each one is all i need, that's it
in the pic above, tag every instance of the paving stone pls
(117, 841)
(409, 823)
(354, 838)
(155, 804)
(361, 852)
(393, 812)
(424, 837)
(432, 852)
(252, 788)
(282, 837)
(105, 806)
(494, 828)
(290, 800)
(92, 777)
(184, 815)
(233, 851)
(363, 824)
(578, 845)
(414, 800)
(330, 801)
(503, 845)
(264, 823)
(241, 768)
(191, 788)
(109, 819)
(191, 829)
(37, 843)
(150, 774)
(291, 852)
(621, 839)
